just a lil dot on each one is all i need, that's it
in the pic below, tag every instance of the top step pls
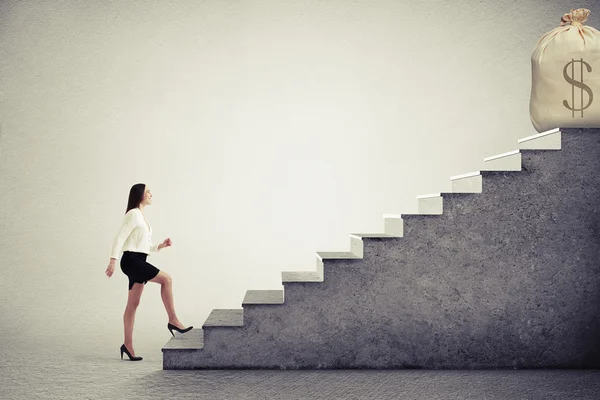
(549, 140)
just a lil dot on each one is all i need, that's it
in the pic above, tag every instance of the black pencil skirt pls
(137, 269)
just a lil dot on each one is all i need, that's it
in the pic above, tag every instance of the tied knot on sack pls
(575, 17)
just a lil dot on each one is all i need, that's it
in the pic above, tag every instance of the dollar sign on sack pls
(571, 79)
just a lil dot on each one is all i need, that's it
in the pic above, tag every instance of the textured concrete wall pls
(509, 278)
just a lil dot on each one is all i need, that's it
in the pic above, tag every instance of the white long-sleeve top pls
(135, 235)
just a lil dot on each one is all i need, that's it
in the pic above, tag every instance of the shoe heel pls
(171, 327)
(131, 358)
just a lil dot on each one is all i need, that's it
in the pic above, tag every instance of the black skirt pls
(137, 269)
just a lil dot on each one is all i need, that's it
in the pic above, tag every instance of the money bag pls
(565, 66)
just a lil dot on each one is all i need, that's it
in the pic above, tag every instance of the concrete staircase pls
(504, 272)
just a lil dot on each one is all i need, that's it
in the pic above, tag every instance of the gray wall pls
(266, 130)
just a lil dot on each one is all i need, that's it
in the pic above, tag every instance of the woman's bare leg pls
(166, 292)
(133, 301)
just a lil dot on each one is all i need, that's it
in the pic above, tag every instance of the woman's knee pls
(162, 278)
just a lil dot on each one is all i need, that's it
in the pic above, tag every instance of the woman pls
(135, 237)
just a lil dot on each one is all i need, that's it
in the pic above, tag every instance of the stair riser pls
(508, 163)
(431, 205)
(267, 316)
(356, 246)
(468, 185)
(394, 226)
(546, 142)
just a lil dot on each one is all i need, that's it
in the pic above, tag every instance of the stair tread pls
(263, 297)
(539, 135)
(301, 276)
(498, 172)
(503, 155)
(459, 194)
(419, 215)
(192, 340)
(373, 235)
(225, 317)
(465, 176)
(337, 255)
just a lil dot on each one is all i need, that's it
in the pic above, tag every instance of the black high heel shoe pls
(171, 327)
(131, 358)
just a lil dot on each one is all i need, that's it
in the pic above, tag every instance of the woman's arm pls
(155, 247)
(126, 228)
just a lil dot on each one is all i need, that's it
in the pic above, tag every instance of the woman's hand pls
(166, 243)
(111, 268)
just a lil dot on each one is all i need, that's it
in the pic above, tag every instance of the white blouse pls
(135, 235)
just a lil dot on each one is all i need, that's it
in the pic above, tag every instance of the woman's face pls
(147, 197)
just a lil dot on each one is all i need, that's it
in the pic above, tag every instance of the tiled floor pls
(68, 372)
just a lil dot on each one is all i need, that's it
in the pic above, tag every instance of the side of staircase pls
(504, 272)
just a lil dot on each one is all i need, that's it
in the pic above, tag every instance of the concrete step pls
(549, 140)
(224, 318)
(317, 276)
(372, 236)
(510, 161)
(431, 204)
(413, 217)
(471, 182)
(301, 276)
(337, 255)
(393, 224)
(357, 244)
(304, 276)
(263, 297)
(192, 340)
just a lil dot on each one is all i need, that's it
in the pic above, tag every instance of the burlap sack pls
(565, 66)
